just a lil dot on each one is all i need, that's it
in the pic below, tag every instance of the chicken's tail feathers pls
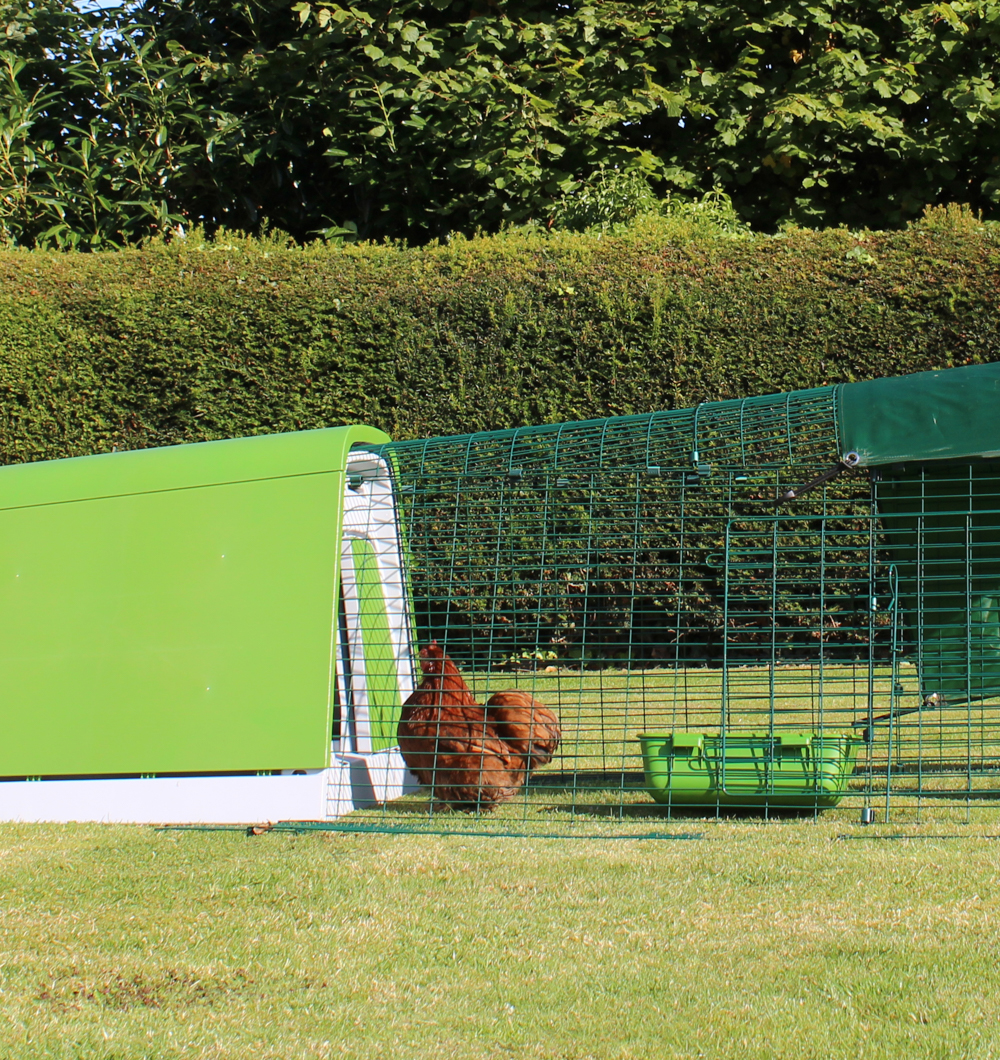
(526, 724)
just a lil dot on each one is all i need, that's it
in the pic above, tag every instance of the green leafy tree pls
(416, 119)
(102, 140)
(816, 112)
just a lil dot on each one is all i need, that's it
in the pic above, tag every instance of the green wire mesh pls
(638, 576)
(763, 432)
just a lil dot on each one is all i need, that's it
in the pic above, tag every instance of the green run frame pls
(787, 603)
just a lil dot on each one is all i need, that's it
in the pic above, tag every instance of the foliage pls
(218, 338)
(611, 197)
(414, 120)
(101, 142)
(441, 117)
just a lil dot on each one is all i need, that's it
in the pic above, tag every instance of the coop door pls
(374, 669)
(806, 611)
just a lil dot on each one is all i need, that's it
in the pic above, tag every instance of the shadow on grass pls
(596, 796)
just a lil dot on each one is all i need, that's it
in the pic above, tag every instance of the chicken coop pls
(782, 604)
(211, 633)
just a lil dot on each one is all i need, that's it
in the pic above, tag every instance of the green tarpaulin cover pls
(941, 525)
(942, 415)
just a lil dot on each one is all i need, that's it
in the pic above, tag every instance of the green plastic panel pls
(170, 610)
(381, 674)
(927, 416)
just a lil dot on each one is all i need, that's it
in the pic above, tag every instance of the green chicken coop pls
(787, 603)
(211, 632)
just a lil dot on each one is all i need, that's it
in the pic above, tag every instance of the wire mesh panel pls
(705, 646)
(941, 528)
(800, 590)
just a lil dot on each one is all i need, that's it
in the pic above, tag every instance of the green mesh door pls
(942, 526)
(804, 602)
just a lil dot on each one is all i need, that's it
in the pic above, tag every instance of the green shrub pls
(209, 339)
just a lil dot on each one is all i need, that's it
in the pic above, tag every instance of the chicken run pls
(783, 604)
(786, 604)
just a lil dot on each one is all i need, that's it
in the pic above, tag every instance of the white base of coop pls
(350, 782)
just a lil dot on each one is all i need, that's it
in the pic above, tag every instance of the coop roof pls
(175, 467)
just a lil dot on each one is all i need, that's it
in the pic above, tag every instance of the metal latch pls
(848, 462)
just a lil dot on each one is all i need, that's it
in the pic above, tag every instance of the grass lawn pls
(773, 939)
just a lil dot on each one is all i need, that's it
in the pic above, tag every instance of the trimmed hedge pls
(198, 340)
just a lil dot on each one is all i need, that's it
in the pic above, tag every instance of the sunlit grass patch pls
(763, 939)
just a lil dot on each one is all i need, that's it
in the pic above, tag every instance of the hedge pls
(209, 339)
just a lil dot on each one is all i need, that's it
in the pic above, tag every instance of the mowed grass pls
(773, 939)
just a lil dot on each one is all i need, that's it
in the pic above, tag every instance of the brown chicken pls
(525, 725)
(472, 757)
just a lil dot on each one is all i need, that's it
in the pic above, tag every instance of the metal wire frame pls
(763, 432)
(636, 575)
